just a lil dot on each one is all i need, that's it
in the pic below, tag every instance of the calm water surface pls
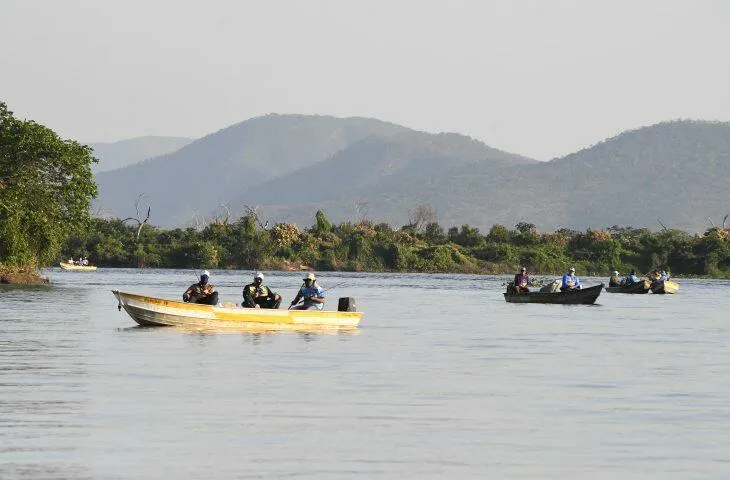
(443, 380)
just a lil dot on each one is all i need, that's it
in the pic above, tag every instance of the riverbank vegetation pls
(378, 247)
(45, 193)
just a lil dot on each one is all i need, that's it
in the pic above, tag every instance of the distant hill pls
(128, 152)
(288, 166)
(675, 172)
(211, 171)
(365, 178)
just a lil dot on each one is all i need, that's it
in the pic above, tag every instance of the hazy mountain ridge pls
(674, 171)
(114, 155)
(214, 169)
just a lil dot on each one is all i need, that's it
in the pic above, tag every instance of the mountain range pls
(115, 155)
(286, 167)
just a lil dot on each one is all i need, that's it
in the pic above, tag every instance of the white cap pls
(205, 272)
(310, 276)
(615, 272)
(571, 269)
(258, 275)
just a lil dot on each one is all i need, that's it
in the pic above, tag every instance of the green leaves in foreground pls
(45, 190)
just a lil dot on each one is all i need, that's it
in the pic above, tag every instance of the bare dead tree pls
(228, 215)
(197, 221)
(724, 220)
(253, 212)
(422, 215)
(362, 209)
(140, 222)
(711, 222)
(662, 225)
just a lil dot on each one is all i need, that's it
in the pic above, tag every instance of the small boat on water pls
(152, 311)
(665, 287)
(583, 296)
(638, 287)
(80, 268)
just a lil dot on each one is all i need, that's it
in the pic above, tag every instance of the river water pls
(444, 379)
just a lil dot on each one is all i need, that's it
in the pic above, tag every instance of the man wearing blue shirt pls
(311, 293)
(570, 281)
(632, 278)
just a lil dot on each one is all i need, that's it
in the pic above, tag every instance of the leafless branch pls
(228, 215)
(140, 222)
(254, 213)
(711, 222)
(662, 225)
(723, 221)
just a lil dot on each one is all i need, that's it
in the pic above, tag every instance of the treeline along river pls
(417, 247)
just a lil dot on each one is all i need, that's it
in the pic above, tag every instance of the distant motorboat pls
(578, 296)
(641, 286)
(665, 287)
(79, 268)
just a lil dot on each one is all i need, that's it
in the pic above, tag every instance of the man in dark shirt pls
(521, 281)
(201, 292)
(256, 295)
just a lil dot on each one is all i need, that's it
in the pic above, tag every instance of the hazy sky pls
(540, 78)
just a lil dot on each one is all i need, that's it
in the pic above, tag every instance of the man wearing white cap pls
(201, 292)
(570, 281)
(311, 293)
(256, 295)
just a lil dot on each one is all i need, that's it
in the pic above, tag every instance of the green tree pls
(45, 190)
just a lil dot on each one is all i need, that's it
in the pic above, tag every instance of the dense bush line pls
(367, 246)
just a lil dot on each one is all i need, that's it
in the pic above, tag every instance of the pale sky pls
(539, 78)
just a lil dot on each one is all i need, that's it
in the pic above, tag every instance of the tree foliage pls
(45, 190)
(366, 246)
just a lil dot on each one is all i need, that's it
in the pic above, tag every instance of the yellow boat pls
(665, 287)
(151, 311)
(80, 268)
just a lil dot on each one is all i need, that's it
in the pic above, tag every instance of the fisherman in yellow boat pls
(311, 294)
(614, 281)
(201, 292)
(256, 295)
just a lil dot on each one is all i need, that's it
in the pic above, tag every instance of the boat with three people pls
(153, 311)
(77, 268)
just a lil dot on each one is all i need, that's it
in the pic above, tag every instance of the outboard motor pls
(346, 304)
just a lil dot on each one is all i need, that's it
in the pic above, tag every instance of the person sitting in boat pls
(631, 278)
(85, 262)
(310, 293)
(256, 295)
(521, 281)
(614, 281)
(658, 277)
(570, 281)
(201, 292)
